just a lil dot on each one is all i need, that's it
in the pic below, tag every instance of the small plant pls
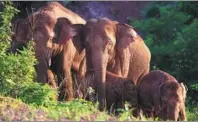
(194, 86)
(17, 72)
(90, 92)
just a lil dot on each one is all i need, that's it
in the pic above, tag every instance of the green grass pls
(192, 113)
(14, 109)
(23, 98)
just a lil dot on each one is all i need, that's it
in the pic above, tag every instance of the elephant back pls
(60, 11)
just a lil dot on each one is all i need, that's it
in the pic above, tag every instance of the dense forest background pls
(171, 33)
(170, 30)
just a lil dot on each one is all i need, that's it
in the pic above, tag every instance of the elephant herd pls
(103, 54)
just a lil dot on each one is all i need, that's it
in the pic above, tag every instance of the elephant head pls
(172, 100)
(102, 38)
(130, 93)
(21, 35)
(36, 27)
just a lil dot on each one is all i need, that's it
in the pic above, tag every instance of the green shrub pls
(172, 39)
(170, 32)
(17, 72)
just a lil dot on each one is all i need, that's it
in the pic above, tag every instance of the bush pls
(170, 33)
(17, 72)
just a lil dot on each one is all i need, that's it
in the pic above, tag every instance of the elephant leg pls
(145, 72)
(119, 105)
(68, 84)
(182, 114)
(115, 68)
(61, 85)
(76, 86)
(124, 62)
(42, 71)
(136, 112)
(82, 68)
(111, 65)
(111, 99)
(51, 78)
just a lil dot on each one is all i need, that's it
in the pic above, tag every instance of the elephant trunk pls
(173, 112)
(99, 65)
(16, 46)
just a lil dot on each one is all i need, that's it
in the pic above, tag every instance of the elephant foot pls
(136, 112)
(102, 105)
(53, 85)
(69, 99)
(69, 96)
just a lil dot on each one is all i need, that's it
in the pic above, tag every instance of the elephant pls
(39, 27)
(117, 48)
(68, 55)
(161, 95)
(118, 90)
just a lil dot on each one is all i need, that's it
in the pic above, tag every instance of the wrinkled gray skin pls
(160, 95)
(115, 47)
(39, 27)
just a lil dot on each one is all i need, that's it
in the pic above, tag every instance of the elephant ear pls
(80, 30)
(64, 30)
(20, 30)
(125, 35)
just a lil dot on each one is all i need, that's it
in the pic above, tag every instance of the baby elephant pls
(160, 95)
(118, 90)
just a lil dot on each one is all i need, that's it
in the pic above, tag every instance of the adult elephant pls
(116, 47)
(39, 27)
(68, 55)
(160, 95)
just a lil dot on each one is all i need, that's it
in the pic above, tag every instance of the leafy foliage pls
(171, 39)
(36, 101)
(17, 72)
(6, 16)
(15, 110)
(170, 32)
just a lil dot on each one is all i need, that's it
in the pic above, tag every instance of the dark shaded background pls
(116, 10)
